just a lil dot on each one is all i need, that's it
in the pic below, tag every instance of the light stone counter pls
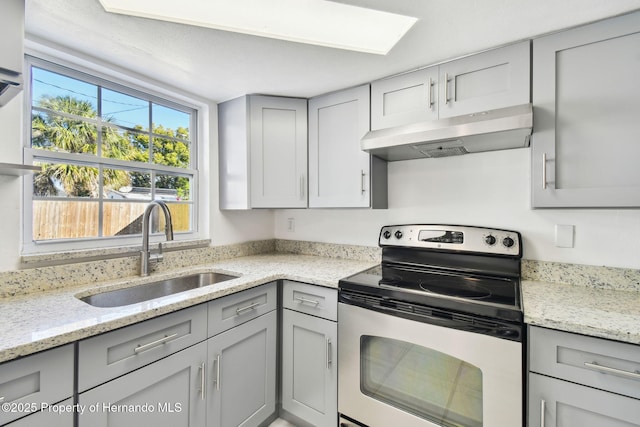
(595, 311)
(39, 321)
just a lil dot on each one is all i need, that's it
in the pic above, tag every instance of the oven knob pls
(386, 234)
(398, 234)
(490, 240)
(508, 242)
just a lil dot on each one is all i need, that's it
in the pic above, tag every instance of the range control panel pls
(454, 238)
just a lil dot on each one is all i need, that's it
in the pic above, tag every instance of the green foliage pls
(68, 132)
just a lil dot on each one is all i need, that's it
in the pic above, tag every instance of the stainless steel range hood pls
(499, 129)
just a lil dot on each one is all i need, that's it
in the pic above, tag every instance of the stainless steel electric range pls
(433, 336)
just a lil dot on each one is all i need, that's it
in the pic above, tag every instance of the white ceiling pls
(220, 65)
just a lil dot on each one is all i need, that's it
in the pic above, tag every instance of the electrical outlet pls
(291, 225)
(564, 236)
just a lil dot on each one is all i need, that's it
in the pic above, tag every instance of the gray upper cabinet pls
(486, 81)
(11, 49)
(263, 152)
(341, 175)
(403, 99)
(489, 80)
(586, 99)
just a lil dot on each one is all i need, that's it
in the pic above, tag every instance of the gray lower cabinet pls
(558, 403)
(31, 386)
(578, 381)
(242, 379)
(586, 101)
(310, 354)
(168, 393)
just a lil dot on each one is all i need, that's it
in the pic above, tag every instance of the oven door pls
(398, 372)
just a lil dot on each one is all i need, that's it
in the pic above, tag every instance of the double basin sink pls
(149, 291)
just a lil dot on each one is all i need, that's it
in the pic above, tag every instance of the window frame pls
(133, 86)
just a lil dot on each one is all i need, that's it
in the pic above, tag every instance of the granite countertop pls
(604, 313)
(39, 321)
(44, 317)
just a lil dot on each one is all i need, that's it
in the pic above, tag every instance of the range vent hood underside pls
(486, 131)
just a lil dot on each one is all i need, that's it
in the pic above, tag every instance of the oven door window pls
(422, 381)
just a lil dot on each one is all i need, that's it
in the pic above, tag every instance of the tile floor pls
(281, 423)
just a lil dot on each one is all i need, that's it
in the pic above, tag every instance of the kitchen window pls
(105, 151)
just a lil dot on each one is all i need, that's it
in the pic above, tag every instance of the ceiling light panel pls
(318, 22)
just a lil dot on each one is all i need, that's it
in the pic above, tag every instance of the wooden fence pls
(59, 219)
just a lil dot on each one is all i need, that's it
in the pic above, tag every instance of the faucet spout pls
(145, 255)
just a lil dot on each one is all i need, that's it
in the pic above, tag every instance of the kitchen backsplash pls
(44, 273)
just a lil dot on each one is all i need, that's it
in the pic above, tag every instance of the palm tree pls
(70, 133)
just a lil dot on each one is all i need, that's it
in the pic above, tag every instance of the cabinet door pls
(29, 382)
(486, 81)
(405, 99)
(166, 393)
(309, 371)
(339, 171)
(242, 362)
(565, 404)
(586, 99)
(278, 159)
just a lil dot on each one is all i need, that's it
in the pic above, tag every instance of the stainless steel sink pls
(149, 291)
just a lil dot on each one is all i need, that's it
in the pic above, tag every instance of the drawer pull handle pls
(544, 171)
(307, 301)
(607, 370)
(167, 338)
(241, 310)
(329, 352)
(542, 405)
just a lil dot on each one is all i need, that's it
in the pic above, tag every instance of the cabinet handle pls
(307, 301)
(544, 171)
(542, 405)
(430, 90)
(446, 88)
(329, 361)
(241, 310)
(216, 380)
(362, 181)
(608, 370)
(1, 399)
(203, 381)
(144, 347)
(302, 187)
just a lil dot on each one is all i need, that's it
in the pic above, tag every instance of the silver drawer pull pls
(542, 405)
(544, 171)
(607, 370)
(155, 343)
(203, 381)
(249, 307)
(307, 301)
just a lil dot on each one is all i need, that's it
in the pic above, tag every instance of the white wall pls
(485, 189)
(10, 187)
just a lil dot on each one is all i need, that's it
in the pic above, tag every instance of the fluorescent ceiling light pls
(319, 22)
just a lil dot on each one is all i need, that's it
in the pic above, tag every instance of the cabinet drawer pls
(565, 404)
(596, 362)
(233, 310)
(115, 353)
(59, 415)
(27, 383)
(315, 300)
